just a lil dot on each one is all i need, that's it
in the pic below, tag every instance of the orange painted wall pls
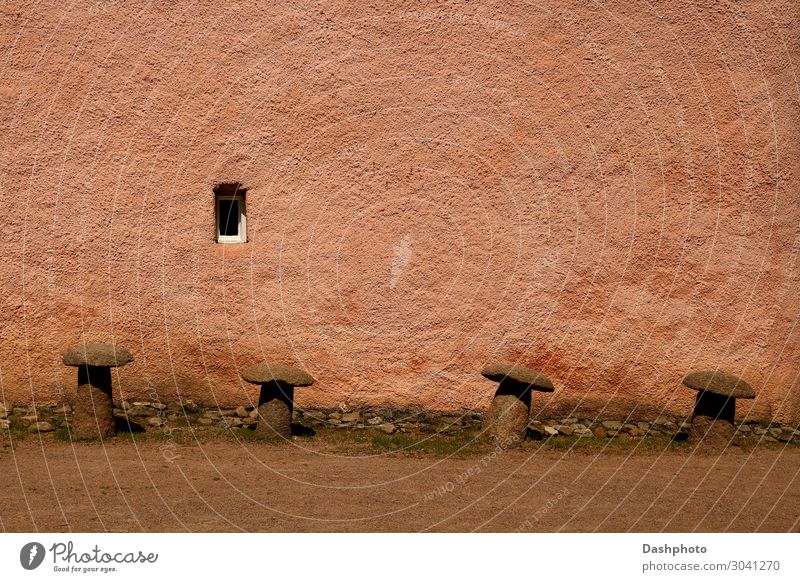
(605, 191)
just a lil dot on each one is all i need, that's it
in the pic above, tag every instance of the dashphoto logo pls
(31, 555)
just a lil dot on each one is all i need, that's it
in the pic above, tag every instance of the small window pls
(231, 213)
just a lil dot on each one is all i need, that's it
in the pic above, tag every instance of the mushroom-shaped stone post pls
(715, 406)
(93, 408)
(275, 402)
(507, 420)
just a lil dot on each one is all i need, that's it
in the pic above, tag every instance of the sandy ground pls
(229, 486)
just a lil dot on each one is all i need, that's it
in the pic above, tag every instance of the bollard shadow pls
(680, 436)
(122, 424)
(297, 430)
(302, 430)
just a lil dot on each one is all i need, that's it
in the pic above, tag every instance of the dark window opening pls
(231, 216)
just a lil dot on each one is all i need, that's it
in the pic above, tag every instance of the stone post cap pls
(100, 355)
(276, 372)
(719, 383)
(520, 374)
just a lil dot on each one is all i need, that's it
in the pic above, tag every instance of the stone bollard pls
(507, 420)
(276, 400)
(715, 406)
(93, 408)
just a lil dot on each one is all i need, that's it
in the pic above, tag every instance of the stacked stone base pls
(144, 416)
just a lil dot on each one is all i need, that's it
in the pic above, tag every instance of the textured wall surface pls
(605, 191)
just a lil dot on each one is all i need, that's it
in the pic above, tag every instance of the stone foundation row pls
(154, 416)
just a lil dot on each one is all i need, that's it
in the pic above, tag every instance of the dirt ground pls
(250, 486)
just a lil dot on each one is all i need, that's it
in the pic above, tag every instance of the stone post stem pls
(275, 405)
(93, 409)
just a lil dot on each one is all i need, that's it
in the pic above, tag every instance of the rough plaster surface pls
(607, 192)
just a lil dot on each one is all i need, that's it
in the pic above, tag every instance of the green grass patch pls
(648, 444)
(375, 441)
(448, 442)
(62, 435)
(446, 445)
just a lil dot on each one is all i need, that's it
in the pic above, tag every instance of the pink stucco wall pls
(605, 191)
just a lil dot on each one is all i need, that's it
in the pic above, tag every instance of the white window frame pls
(242, 236)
